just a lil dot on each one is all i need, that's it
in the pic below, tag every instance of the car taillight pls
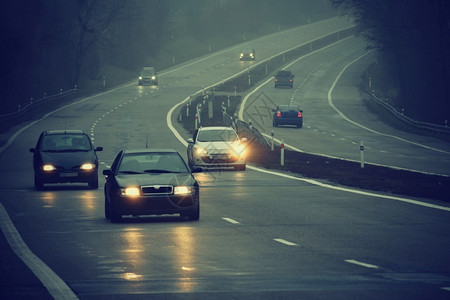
(276, 79)
(299, 114)
(278, 113)
(290, 80)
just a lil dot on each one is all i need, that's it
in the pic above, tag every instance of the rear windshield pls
(284, 74)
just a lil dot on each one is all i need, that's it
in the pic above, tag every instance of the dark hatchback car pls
(288, 115)
(148, 75)
(284, 78)
(150, 182)
(63, 156)
(247, 54)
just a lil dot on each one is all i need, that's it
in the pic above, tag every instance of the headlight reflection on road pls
(185, 245)
(133, 252)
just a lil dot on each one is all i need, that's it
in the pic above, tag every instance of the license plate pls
(73, 174)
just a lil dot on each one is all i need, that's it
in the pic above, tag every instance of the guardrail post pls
(272, 140)
(282, 153)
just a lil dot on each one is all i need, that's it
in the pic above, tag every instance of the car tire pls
(38, 183)
(107, 209)
(274, 124)
(93, 184)
(115, 216)
(240, 167)
(195, 213)
(300, 125)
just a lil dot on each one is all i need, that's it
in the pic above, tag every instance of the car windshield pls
(284, 74)
(147, 73)
(154, 162)
(288, 108)
(217, 135)
(65, 143)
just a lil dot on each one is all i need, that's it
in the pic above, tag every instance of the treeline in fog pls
(49, 45)
(413, 39)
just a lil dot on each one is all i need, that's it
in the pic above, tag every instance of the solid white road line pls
(55, 285)
(355, 262)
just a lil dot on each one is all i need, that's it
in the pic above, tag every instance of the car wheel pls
(276, 86)
(93, 184)
(274, 124)
(195, 214)
(300, 124)
(240, 167)
(107, 209)
(115, 216)
(38, 183)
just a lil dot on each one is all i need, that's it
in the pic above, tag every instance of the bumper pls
(148, 81)
(65, 177)
(293, 121)
(218, 161)
(154, 205)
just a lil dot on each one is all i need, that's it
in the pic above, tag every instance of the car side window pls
(194, 136)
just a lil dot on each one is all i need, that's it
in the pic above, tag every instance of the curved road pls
(260, 235)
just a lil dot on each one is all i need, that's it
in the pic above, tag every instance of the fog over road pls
(260, 235)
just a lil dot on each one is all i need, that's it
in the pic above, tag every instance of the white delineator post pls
(271, 140)
(282, 153)
(361, 150)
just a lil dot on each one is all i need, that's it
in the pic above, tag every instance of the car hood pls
(155, 179)
(68, 159)
(218, 147)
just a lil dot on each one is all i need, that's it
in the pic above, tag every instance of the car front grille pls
(157, 190)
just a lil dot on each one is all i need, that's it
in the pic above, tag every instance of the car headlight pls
(140, 77)
(238, 150)
(48, 168)
(182, 190)
(87, 166)
(130, 192)
(201, 151)
(153, 77)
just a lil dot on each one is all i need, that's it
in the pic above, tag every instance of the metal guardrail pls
(6, 120)
(419, 125)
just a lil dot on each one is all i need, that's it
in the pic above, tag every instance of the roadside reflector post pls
(250, 126)
(228, 104)
(187, 109)
(361, 150)
(282, 153)
(196, 121)
(210, 108)
(272, 134)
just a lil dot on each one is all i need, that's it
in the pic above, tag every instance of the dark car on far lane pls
(284, 78)
(150, 182)
(288, 115)
(63, 156)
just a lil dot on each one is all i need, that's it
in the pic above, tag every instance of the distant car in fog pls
(284, 78)
(150, 182)
(63, 156)
(148, 75)
(247, 54)
(288, 115)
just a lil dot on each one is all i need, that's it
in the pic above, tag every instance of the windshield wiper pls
(130, 172)
(159, 171)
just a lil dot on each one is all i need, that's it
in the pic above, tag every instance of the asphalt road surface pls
(261, 235)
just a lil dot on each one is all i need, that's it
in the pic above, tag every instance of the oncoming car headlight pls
(140, 77)
(87, 166)
(48, 168)
(239, 150)
(153, 77)
(201, 151)
(130, 192)
(182, 190)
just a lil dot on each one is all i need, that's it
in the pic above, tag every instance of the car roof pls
(65, 131)
(216, 128)
(288, 107)
(149, 150)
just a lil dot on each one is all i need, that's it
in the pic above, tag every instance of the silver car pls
(216, 146)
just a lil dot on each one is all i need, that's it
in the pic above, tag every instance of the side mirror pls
(98, 149)
(32, 150)
(190, 140)
(196, 170)
(244, 140)
(107, 172)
